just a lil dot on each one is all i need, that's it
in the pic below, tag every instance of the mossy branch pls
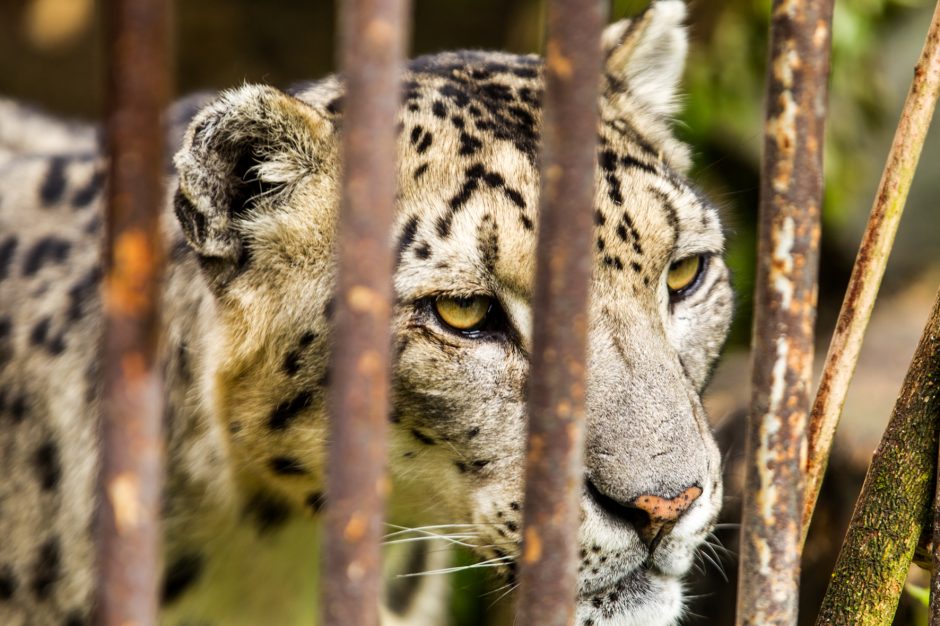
(895, 504)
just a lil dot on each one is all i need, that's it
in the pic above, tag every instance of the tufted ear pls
(242, 155)
(645, 57)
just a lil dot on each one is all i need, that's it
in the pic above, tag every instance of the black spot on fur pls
(48, 470)
(40, 331)
(608, 160)
(469, 144)
(488, 244)
(496, 91)
(613, 188)
(458, 122)
(419, 171)
(417, 434)
(7, 250)
(287, 466)
(316, 502)
(438, 109)
(181, 574)
(292, 358)
(463, 196)
(46, 250)
(527, 223)
(423, 251)
(635, 267)
(599, 218)
(631, 162)
(514, 506)
(47, 569)
(512, 526)
(268, 512)
(407, 236)
(458, 96)
(426, 141)
(473, 432)
(515, 197)
(285, 412)
(613, 261)
(83, 291)
(443, 225)
(84, 195)
(672, 214)
(8, 582)
(493, 180)
(461, 467)
(16, 408)
(476, 171)
(53, 186)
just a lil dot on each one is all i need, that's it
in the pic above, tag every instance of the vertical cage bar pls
(131, 473)
(784, 311)
(554, 460)
(372, 47)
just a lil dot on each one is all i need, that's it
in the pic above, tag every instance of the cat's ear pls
(645, 57)
(244, 154)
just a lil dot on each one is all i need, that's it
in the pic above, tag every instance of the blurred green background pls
(52, 54)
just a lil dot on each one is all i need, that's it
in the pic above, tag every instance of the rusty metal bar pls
(784, 311)
(871, 261)
(131, 474)
(554, 460)
(372, 48)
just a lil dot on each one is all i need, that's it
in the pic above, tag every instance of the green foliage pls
(723, 116)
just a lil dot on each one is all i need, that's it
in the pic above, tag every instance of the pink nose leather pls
(663, 514)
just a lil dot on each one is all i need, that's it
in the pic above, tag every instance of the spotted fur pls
(250, 227)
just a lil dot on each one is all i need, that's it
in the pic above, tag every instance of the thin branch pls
(895, 503)
(870, 263)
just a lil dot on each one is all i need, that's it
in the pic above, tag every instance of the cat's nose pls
(651, 516)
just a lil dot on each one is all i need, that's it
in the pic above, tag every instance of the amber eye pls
(682, 273)
(463, 313)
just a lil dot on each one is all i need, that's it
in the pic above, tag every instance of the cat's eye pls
(684, 274)
(463, 314)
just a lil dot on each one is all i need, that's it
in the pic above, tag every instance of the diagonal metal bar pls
(372, 48)
(554, 462)
(131, 473)
(784, 311)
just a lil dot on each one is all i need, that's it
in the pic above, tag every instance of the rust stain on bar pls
(372, 50)
(554, 462)
(784, 312)
(131, 475)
